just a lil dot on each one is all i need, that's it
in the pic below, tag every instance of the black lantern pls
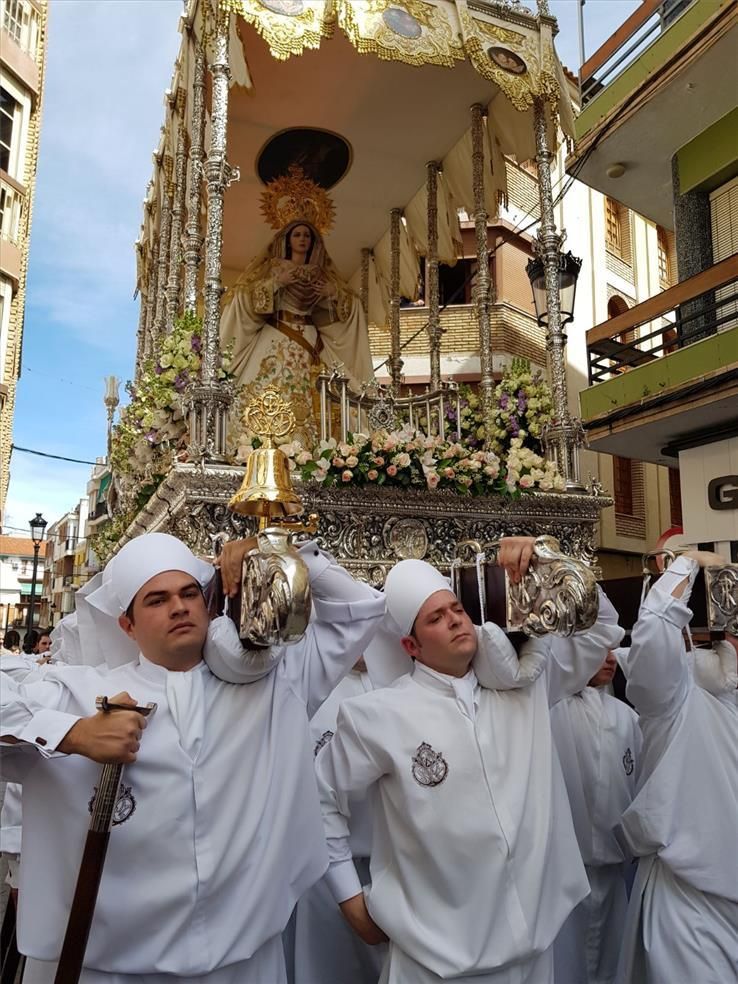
(38, 524)
(569, 267)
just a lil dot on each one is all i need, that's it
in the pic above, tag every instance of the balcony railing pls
(11, 210)
(622, 48)
(686, 313)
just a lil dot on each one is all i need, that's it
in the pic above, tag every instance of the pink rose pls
(352, 461)
(338, 462)
(391, 470)
(449, 472)
(432, 479)
(347, 475)
(526, 481)
(372, 474)
(379, 461)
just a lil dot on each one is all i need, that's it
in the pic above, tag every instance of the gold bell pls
(266, 489)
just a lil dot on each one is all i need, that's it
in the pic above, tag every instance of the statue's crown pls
(294, 196)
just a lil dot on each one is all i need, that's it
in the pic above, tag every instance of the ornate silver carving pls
(275, 591)
(395, 361)
(483, 287)
(151, 298)
(557, 595)
(193, 234)
(165, 225)
(405, 538)
(721, 584)
(174, 283)
(206, 407)
(211, 400)
(383, 413)
(192, 502)
(566, 435)
(431, 277)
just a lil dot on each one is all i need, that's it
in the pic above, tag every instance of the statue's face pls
(301, 240)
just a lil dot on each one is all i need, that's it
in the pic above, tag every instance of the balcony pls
(12, 203)
(514, 333)
(664, 375)
(20, 36)
(665, 76)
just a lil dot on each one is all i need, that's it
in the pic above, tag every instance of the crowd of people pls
(401, 797)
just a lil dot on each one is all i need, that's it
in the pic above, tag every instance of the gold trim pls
(288, 35)
(365, 28)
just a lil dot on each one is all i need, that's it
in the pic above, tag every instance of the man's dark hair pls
(12, 638)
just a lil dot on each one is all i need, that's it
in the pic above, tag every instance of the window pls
(613, 231)
(622, 469)
(8, 110)
(629, 493)
(675, 497)
(663, 257)
(21, 22)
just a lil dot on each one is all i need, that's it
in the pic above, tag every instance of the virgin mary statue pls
(290, 313)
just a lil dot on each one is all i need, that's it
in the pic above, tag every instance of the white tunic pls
(218, 829)
(598, 741)
(474, 861)
(683, 915)
(320, 946)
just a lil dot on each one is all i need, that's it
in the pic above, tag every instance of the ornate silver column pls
(366, 255)
(565, 435)
(431, 277)
(151, 298)
(395, 361)
(174, 283)
(483, 289)
(142, 313)
(208, 402)
(193, 234)
(165, 225)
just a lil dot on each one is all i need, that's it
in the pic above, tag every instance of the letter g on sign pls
(722, 493)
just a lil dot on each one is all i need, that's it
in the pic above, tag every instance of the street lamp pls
(38, 525)
(568, 273)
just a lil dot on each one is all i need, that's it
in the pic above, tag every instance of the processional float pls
(434, 95)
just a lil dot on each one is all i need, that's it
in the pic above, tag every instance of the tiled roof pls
(19, 546)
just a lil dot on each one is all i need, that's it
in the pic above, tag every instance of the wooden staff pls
(93, 860)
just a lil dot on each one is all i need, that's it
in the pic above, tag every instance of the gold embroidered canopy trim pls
(512, 49)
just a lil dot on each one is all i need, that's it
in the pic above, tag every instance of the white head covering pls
(409, 585)
(139, 561)
(407, 588)
(107, 596)
(65, 644)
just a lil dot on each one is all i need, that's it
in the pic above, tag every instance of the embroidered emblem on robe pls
(429, 768)
(125, 805)
(628, 762)
(323, 740)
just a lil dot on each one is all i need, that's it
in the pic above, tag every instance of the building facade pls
(22, 60)
(657, 134)
(65, 570)
(16, 578)
(627, 259)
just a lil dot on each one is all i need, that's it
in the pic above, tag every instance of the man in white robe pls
(474, 862)
(598, 742)
(682, 923)
(320, 946)
(217, 829)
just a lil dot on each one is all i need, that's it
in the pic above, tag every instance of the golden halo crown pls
(294, 196)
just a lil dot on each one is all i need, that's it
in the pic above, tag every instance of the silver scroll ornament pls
(557, 595)
(275, 591)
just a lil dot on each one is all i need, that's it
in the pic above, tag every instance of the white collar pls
(465, 689)
(158, 674)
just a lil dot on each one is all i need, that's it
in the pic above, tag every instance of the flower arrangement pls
(523, 406)
(152, 427)
(408, 458)
(472, 417)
